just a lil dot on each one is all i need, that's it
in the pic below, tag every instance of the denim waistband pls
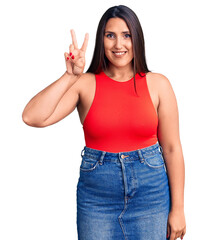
(110, 156)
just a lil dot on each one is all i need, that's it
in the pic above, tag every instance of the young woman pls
(131, 183)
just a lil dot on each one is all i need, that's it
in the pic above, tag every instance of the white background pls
(39, 167)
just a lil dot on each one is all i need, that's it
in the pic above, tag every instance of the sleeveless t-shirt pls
(119, 120)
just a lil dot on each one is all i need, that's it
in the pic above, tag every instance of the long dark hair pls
(99, 60)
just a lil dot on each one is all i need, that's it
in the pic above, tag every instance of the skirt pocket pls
(154, 160)
(88, 164)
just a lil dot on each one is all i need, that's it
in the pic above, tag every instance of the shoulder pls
(86, 76)
(159, 82)
(85, 82)
(157, 78)
(166, 95)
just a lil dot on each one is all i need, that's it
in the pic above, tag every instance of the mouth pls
(119, 53)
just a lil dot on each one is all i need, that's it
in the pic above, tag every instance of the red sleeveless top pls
(118, 119)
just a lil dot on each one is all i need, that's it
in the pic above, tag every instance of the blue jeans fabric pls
(123, 196)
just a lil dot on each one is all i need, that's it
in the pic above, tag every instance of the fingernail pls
(73, 57)
(70, 54)
(67, 58)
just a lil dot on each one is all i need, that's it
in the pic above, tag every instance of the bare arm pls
(43, 104)
(39, 112)
(168, 136)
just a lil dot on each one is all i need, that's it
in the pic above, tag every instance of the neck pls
(120, 73)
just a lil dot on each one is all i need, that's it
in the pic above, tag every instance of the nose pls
(118, 43)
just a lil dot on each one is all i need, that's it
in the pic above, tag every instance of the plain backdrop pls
(39, 167)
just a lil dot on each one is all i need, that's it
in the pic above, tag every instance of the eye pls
(110, 35)
(127, 35)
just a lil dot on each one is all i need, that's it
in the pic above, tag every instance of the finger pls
(183, 233)
(66, 55)
(84, 45)
(74, 39)
(172, 236)
(178, 234)
(71, 48)
(168, 231)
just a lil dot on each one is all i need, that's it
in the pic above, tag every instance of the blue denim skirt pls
(123, 196)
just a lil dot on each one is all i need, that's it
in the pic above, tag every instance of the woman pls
(131, 183)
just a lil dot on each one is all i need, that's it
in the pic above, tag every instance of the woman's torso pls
(109, 115)
(88, 88)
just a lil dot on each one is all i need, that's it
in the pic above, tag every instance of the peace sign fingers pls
(84, 45)
(75, 61)
(74, 39)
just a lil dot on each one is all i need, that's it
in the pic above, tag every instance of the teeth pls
(120, 53)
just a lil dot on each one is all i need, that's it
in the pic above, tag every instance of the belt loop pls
(141, 158)
(102, 157)
(82, 151)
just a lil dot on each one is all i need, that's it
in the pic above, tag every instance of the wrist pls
(72, 75)
(177, 208)
(69, 74)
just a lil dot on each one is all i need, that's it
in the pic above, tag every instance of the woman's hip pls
(137, 177)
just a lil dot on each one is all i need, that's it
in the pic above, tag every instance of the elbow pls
(172, 149)
(27, 120)
(31, 122)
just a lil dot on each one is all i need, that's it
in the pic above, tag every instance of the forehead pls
(116, 25)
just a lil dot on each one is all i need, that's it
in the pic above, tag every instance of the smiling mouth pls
(119, 53)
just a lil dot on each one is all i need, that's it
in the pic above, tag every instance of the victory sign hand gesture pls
(75, 59)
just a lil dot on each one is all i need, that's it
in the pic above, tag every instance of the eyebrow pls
(113, 32)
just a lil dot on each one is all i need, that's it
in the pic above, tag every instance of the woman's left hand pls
(176, 224)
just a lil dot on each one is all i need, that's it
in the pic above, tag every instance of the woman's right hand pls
(75, 59)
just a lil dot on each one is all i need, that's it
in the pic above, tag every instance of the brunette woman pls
(131, 183)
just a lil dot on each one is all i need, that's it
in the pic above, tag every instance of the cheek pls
(106, 45)
(129, 46)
